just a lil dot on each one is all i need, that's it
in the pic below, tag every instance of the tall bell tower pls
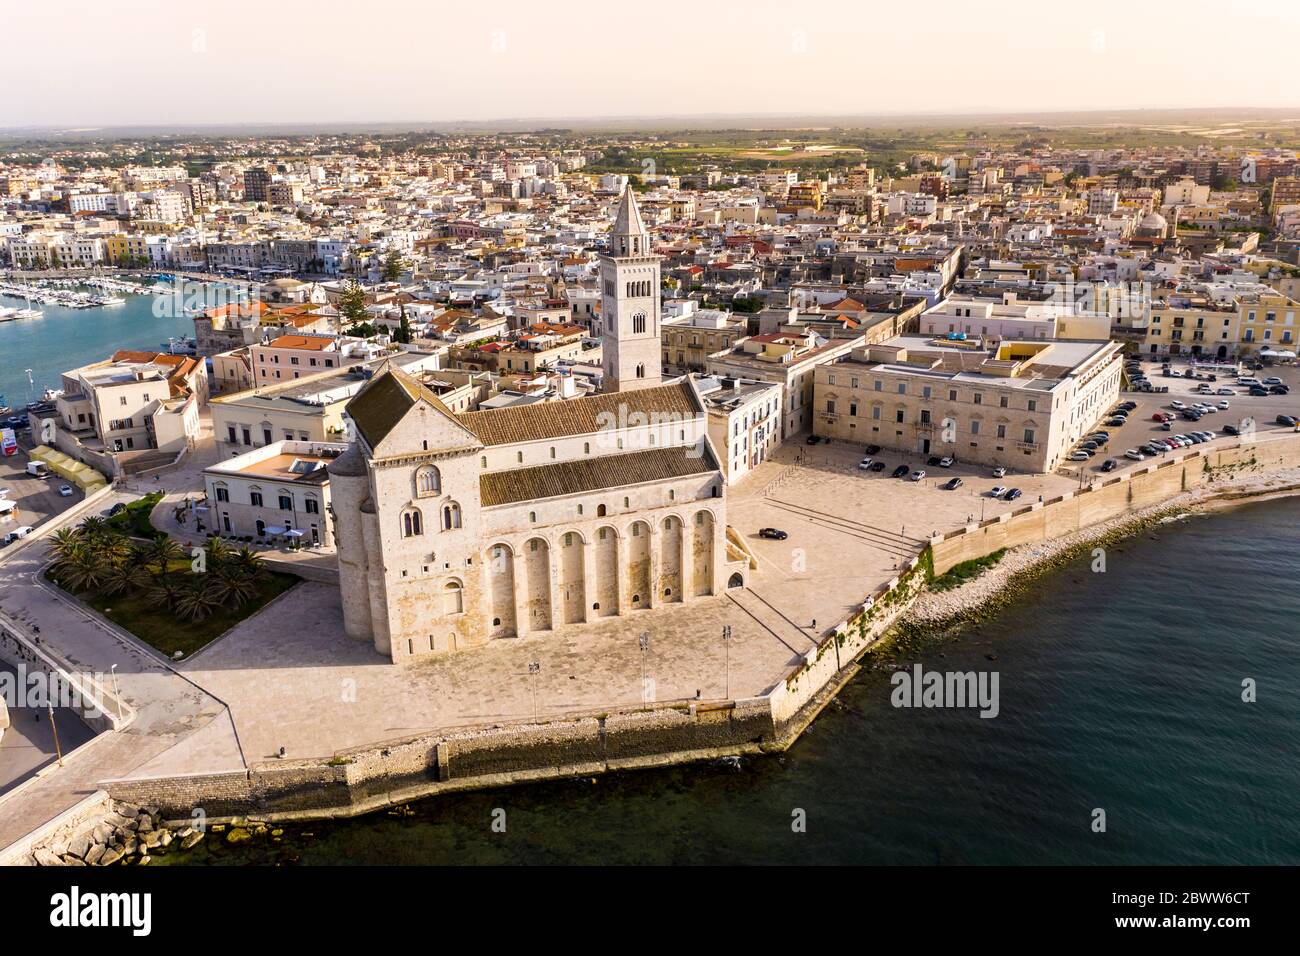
(629, 303)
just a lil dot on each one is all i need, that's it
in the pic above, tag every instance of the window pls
(450, 516)
(452, 598)
(638, 322)
(1029, 436)
(427, 481)
(311, 506)
(286, 503)
(411, 523)
(223, 494)
(255, 499)
(1033, 407)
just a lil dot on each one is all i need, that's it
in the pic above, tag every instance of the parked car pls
(1161, 417)
(1272, 380)
(999, 472)
(997, 491)
(1224, 405)
(1168, 426)
(1231, 430)
(1258, 391)
(933, 461)
(812, 440)
(872, 450)
(1127, 406)
(1110, 464)
(1116, 422)
(1176, 405)
(866, 463)
(1224, 391)
(1135, 455)
(952, 484)
(945, 461)
(1286, 420)
(65, 491)
(901, 470)
(772, 534)
(1279, 390)
(1012, 494)
(21, 531)
(1077, 456)
(877, 466)
(916, 475)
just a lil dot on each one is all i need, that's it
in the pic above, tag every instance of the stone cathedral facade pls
(456, 530)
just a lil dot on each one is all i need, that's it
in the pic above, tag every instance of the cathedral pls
(454, 530)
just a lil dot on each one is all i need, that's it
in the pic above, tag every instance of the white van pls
(38, 469)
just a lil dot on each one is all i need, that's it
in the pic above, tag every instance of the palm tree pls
(123, 577)
(218, 552)
(196, 600)
(251, 563)
(163, 552)
(64, 542)
(85, 571)
(163, 589)
(94, 527)
(232, 586)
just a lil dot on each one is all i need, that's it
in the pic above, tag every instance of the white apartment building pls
(744, 421)
(277, 492)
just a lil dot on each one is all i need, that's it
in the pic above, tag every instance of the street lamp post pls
(644, 641)
(534, 668)
(117, 695)
(726, 646)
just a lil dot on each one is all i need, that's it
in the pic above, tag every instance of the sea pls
(1148, 713)
(67, 338)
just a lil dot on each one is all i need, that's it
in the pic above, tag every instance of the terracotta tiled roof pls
(578, 416)
(593, 474)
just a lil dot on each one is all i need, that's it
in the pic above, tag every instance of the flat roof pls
(306, 468)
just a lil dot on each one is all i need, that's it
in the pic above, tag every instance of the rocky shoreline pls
(127, 835)
(935, 612)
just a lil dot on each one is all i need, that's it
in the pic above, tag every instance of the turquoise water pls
(1119, 691)
(68, 338)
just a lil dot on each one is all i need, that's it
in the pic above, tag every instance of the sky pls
(77, 63)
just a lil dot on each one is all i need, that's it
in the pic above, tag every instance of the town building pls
(276, 493)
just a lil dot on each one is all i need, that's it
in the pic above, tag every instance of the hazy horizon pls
(392, 62)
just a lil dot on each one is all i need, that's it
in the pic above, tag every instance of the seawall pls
(375, 776)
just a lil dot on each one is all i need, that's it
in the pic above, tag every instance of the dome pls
(1153, 224)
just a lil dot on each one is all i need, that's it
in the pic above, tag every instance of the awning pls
(1277, 353)
(293, 533)
(275, 530)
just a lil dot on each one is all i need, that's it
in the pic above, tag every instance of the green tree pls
(393, 266)
(162, 552)
(352, 304)
(403, 333)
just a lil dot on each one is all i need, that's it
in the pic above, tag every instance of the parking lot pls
(1243, 408)
(36, 498)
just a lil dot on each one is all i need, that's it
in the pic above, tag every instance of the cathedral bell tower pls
(629, 282)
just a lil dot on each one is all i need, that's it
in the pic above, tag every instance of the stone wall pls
(367, 778)
(1132, 491)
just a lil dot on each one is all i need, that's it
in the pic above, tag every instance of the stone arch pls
(703, 528)
(501, 590)
(638, 565)
(573, 572)
(737, 580)
(605, 558)
(412, 523)
(671, 539)
(453, 597)
(428, 481)
(537, 583)
(451, 516)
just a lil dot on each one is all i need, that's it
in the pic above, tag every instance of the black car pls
(877, 466)
(1231, 430)
(952, 484)
(812, 440)
(1279, 390)
(1286, 420)
(1191, 414)
(1012, 494)
(1116, 422)
(872, 450)
(1127, 406)
(901, 471)
(774, 534)
(933, 461)
(1258, 391)
(1110, 464)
